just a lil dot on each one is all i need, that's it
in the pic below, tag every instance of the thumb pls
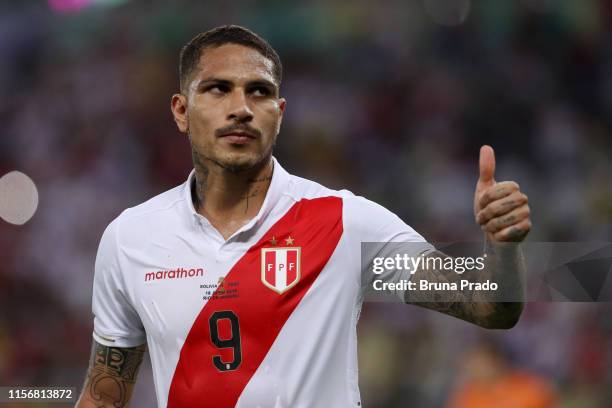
(487, 165)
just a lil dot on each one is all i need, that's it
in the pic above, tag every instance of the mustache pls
(238, 127)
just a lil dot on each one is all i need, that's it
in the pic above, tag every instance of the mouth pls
(238, 137)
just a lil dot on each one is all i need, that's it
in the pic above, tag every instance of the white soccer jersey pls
(266, 318)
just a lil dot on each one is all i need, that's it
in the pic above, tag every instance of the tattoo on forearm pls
(456, 303)
(113, 373)
(467, 305)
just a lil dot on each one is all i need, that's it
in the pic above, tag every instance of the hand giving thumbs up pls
(501, 209)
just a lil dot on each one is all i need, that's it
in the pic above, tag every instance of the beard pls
(233, 162)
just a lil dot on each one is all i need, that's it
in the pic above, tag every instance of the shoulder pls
(156, 215)
(363, 218)
(159, 204)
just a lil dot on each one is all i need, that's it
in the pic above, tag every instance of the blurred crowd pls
(390, 99)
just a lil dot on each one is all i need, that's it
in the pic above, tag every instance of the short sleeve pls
(116, 322)
(378, 231)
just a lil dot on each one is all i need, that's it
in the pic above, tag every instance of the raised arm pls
(502, 211)
(111, 376)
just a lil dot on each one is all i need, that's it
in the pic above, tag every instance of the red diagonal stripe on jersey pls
(315, 226)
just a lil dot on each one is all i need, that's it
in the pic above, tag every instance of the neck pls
(229, 199)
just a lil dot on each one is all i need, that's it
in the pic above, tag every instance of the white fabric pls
(166, 234)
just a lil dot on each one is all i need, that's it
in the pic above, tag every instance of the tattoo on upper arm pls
(113, 372)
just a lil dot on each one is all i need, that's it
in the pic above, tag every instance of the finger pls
(487, 164)
(514, 233)
(499, 190)
(513, 217)
(501, 207)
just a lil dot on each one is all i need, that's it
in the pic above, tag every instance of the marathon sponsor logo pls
(177, 273)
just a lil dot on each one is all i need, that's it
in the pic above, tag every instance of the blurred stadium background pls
(390, 99)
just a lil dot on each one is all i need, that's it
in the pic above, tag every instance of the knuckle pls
(496, 224)
(485, 214)
(495, 208)
(498, 208)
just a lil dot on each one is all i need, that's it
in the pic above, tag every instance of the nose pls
(239, 108)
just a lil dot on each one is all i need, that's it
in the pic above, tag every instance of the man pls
(244, 282)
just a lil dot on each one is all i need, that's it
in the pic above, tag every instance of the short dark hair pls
(227, 34)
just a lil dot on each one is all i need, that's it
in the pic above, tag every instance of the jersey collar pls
(280, 178)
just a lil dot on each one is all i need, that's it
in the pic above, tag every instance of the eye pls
(218, 89)
(260, 91)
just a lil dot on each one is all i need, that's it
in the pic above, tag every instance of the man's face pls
(230, 107)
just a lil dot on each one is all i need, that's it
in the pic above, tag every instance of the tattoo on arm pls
(468, 305)
(112, 374)
(454, 303)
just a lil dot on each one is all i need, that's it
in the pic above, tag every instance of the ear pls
(282, 104)
(178, 106)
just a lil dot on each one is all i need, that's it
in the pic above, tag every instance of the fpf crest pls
(280, 267)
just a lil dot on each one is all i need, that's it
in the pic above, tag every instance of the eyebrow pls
(219, 81)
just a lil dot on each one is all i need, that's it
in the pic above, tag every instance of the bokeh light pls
(18, 198)
(72, 6)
